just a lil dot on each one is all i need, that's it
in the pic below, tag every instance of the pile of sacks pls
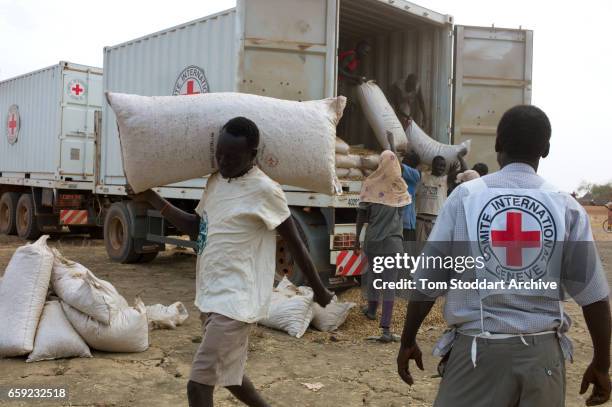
(354, 166)
(292, 310)
(51, 307)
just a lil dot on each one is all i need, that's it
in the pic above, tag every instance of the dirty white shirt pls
(431, 193)
(237, 246)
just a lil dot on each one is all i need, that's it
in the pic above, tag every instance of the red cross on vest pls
(190, 90)
(514, 239)
(12, 124)
(77, 89)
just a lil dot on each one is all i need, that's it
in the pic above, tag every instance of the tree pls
(599, 193)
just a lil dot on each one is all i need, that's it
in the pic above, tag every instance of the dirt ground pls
(353, 372)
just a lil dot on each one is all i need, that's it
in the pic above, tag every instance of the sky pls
(572, 68)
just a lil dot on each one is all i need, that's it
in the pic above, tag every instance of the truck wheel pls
(117, 239)
(8, 210)
(27, 227)
(147, 257)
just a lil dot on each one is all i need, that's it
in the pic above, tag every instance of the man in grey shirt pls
(507, 347)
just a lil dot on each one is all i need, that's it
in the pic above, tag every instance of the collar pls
(519, 167)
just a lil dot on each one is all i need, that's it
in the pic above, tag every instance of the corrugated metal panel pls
(152, 64)
(401, 44)
(41, 101)
(492, 74)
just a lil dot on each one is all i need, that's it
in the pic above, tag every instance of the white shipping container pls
(49, 124)
(289, 49)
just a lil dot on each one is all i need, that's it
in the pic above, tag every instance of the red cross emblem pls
(514, 239)
(190, 90)
(12, 124)
(77, 89)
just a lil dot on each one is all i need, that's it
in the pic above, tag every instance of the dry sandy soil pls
(353, 372)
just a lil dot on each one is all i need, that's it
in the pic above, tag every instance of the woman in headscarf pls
(383, 196)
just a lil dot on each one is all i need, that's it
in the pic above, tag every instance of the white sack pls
(348, 161)
(355, 173)
(162, 317)
(79, 288)
(341, 146)
(427, 148)
(128, 330)
(342, 172)
(166, 139)
(370, 162)
(56, 338)
(332, 316)
(290, 308)
(22, 297)
(381, 116)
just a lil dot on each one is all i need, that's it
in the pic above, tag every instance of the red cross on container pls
(190, 90)
(12, 124)
(514, 239)
(77, 89)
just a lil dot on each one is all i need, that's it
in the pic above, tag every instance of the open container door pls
(287, 48)
(492, 74)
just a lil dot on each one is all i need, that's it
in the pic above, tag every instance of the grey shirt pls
(384, 225)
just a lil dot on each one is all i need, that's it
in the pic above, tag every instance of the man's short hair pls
(481, 168)
(438, 158)
(243, 127)
(523, 132)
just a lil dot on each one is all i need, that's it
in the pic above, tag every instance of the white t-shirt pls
(431, 193)
(237, 245)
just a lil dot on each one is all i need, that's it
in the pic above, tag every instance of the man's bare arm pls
(597, 317)
(415, 315)
(184, 221)
(289, 233)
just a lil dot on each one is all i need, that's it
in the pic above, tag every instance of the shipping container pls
(50, 124)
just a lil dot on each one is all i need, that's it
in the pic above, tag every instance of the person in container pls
(236, 222)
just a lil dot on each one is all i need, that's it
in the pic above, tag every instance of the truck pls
(289, 49)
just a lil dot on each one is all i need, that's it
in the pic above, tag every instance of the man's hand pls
(601, 385)
(323, 296)
(403, 360)
(357, 246)
(138, 197)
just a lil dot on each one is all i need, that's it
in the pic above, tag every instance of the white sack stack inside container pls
(81, 289)
(22, 297)
(166, 139)
(290, 308)
(427, 148)
(381, 116)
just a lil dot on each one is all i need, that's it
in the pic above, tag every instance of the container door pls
(287, 48)
(82, 93)
(492, 74)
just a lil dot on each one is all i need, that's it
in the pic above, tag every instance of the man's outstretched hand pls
(601, 385)
(403, 360)
(323, 297)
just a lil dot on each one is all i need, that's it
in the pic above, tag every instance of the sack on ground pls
(290, 308)
(81, 289)
(341, 146)
(166, 317)
(297, 139)
(128, 330)
(332, 316)
(22, 297)
(427, 148)
(381, 116)
(56, 338)
(348, 161)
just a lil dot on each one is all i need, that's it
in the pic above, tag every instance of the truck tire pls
(8, 211)
(117, 239)
(25, 219)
